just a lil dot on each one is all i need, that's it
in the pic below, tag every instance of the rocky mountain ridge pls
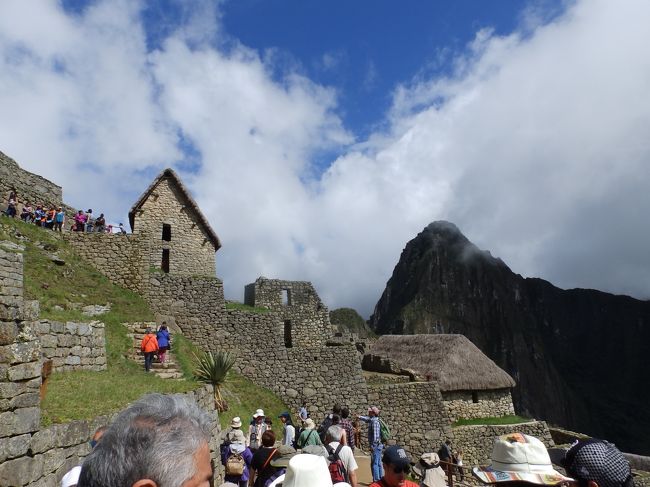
(579, 356)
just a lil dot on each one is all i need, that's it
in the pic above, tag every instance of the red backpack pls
(336, 467)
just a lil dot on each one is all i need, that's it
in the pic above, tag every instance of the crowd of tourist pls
(54, 217)
(163, 441)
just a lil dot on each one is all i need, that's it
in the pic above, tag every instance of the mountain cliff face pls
(581, 358)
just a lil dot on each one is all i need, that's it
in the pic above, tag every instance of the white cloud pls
(536, 146)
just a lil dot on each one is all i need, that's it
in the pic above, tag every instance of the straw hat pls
(258, 413)
(309, 424)
(236, 422)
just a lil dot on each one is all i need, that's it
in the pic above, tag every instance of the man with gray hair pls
(158, 441)
(341, 454)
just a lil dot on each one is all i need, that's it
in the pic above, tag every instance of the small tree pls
(213, 369)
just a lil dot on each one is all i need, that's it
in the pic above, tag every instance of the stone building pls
(472, 385)
(179, 238)
(285, 343)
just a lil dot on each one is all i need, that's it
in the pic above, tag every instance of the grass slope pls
(62, 291)
(492, 421)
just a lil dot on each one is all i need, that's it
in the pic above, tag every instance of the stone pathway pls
(168, 370)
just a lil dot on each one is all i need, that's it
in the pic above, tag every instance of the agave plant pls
(212, 368)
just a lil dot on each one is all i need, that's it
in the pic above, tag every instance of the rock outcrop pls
(579, 356)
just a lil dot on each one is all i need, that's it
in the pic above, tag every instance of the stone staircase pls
(168, 370)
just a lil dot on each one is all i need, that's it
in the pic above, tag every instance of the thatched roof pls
(452, 360)
(189, 201)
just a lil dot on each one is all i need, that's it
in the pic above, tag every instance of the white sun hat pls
(307, 471)
(519, 457)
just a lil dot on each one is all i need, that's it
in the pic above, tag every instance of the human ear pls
(145, 483)
(592, 483)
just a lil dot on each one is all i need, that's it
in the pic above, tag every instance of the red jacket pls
(149, 343)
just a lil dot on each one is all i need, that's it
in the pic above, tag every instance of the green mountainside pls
(347, 319)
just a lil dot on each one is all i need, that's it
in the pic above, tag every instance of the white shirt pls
(289, 434)
(346, 456)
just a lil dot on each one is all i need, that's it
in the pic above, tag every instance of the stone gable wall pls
(29, 186)
(476, 442)
(190, 251)
(73, 346)
(415, 414)
(490, 404)
(306, 314)
(118, 257)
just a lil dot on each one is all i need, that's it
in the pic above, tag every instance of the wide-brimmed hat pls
(236, 422)
(596, 460)
(428, 467)
(283, 454)
(236, 436)
(307, 471)
(258, 413)
(519, 457)
(309, 424)
(318, 450)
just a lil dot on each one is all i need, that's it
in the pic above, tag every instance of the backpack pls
(235, 465)
(384, 431)
(336, 467)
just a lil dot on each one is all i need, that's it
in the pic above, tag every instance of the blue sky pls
(319, 137)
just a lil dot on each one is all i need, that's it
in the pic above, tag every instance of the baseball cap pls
(396, 455)
(596, 460)
(519, 457)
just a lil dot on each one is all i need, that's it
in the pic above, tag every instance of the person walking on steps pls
(149, 347)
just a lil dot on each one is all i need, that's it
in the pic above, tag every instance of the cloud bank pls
(535, 144)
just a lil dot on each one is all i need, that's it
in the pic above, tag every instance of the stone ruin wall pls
(195, 304)
(191, 253)
(415, 414)
(118, 257)
(29, 186)
(73, 346)
(303, 310)
(490, 404)
(31, 455)
(476, 442)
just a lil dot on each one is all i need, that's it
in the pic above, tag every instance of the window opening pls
(167, 232)
(287, 334)
(474, 397)
(165, 261)
(286, 297)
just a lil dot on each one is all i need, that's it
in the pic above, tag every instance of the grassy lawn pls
(492, 421)
(244, 397)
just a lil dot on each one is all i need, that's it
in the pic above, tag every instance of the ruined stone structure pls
(285, 342)
(73, 346)
(31, 455)
(29, 186)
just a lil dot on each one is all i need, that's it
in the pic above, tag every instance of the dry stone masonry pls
(478, 404)
(29, 186)
(73, 346)
(476, 442)
(285, 342)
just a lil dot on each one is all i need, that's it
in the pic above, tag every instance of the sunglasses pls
(401, 468)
